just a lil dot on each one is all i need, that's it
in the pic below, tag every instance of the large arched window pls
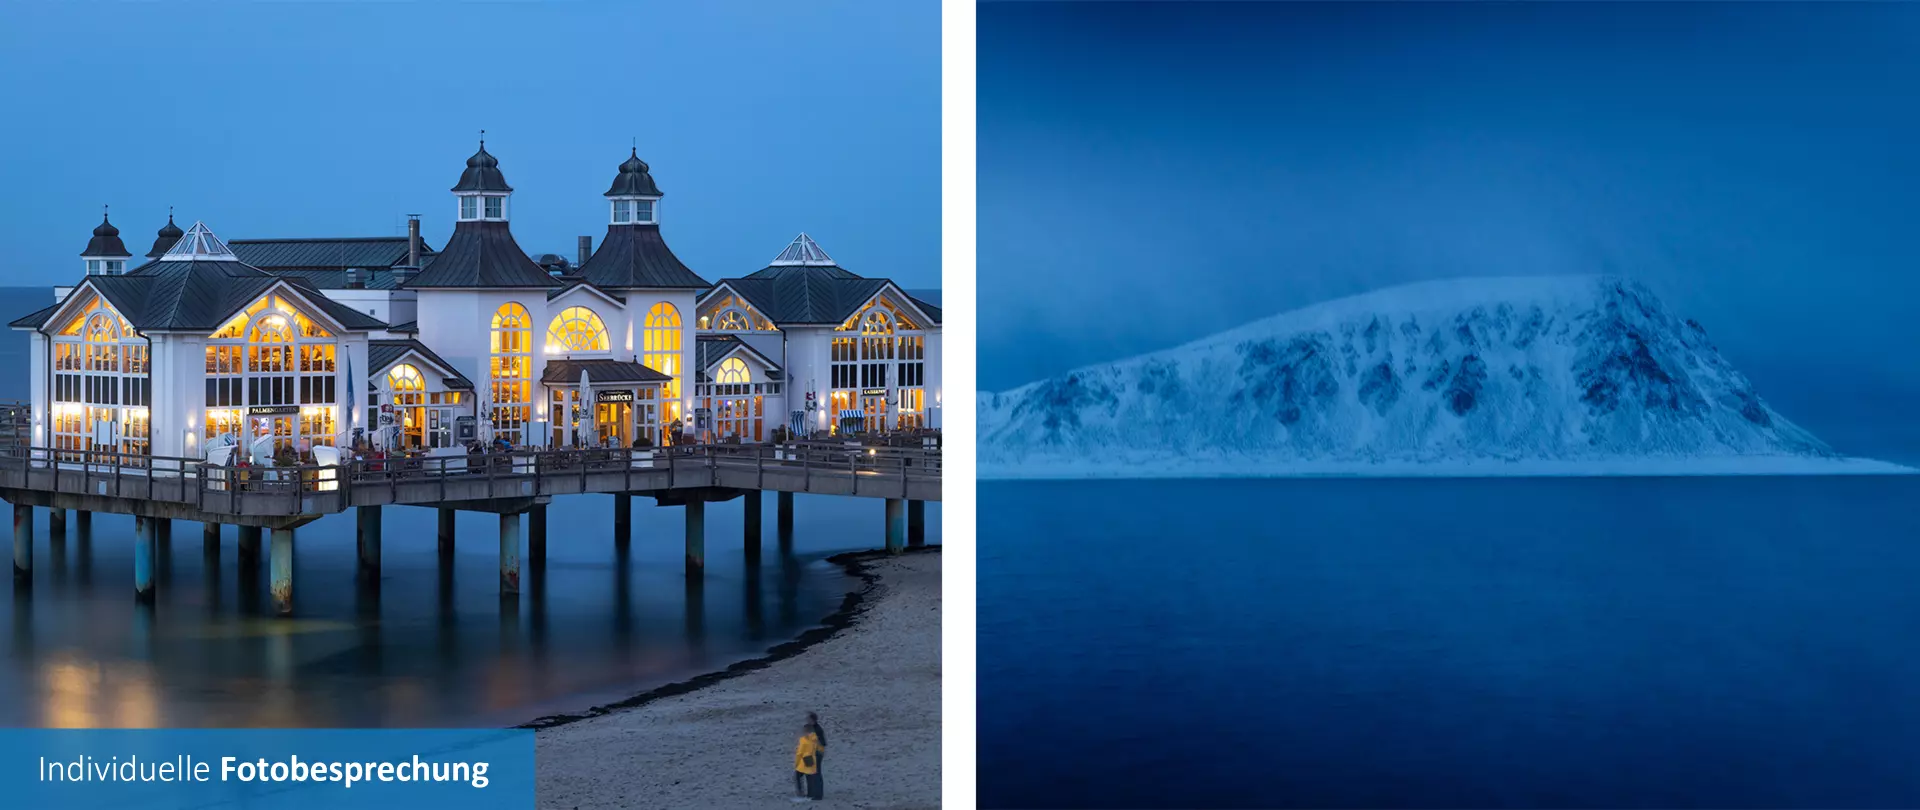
(274, 358)
(511, 372)
(660, 345)
(576, 329)
(733, 371)
(100, 376)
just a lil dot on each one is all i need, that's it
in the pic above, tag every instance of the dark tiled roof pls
(483, 173)
(165, 239)
(202, 295)
(633, 180)
(812, 294)
(567, 372)
(34, 319)
(710, 349)
(382, 354)
(331, 278)
(634, 256)
(806, 295)
(334, 253)
(482, 254)
(106, 241)
(410, 327)
(572, 283)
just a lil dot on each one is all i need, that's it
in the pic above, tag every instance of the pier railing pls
(814, 467)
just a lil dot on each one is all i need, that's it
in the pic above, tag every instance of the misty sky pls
(760, 120)
(1152, 173)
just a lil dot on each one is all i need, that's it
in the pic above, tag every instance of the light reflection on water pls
(435, 645)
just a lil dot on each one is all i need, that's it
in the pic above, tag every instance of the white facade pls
(283, 368)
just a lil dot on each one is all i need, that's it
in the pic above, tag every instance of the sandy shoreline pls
(725, 739)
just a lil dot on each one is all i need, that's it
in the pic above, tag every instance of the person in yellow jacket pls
(806, 766)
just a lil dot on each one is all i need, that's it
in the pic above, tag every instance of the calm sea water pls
(436, 646)
(1545, 642)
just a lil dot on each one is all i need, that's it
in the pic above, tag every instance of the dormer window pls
(116, 267)
(622, 212)
(469, 208)
(643, 212)
(93, 267)
(495, 207)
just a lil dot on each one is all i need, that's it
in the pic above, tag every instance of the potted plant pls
(642, 453)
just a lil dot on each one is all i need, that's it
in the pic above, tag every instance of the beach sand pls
(729, 743)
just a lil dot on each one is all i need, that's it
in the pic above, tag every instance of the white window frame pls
(622, 212)
(487, 202)
(465, 215)
(646, 212)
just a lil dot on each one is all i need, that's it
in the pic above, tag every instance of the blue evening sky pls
(760, 120)
(1152, 173)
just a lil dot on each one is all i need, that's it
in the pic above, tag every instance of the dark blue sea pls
(1680, 642)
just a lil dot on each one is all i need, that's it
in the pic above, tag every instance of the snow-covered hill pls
(1545, 375)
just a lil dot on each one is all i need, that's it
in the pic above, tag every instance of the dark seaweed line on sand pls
(855, 564)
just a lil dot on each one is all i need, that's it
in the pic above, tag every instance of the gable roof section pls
(797, 294)
(636, 256)
(567, 372)
(35, 319)
(383, 353)
(333, 253)
(203, 295)
(588, 289)
(482, 254)
(711, 349)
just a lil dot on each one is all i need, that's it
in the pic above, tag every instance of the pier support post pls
(369, 537)
(896, 525)
(22, 546)
(784, 519)
(83, 520)
(163, 530)
(249, 552)
(146, 536)
(57, 520)
(210, 538)
(916, 524)
(509, 555)
(622, 518)
(280, 569)
(696, 539)
(752, 529)
(537, 534)
(446, 531)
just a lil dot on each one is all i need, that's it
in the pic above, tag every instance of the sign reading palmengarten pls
(317, 769)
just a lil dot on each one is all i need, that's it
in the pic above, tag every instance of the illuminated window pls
(661, 349)
(511, 373)
(733, 321)
(100, 390)
(734, 371)
(576, 329)
(405, 377)
(272, 355)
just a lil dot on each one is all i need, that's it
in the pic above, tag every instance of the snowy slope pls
(1528, 375)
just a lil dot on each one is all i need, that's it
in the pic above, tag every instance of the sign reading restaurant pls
(272, 410)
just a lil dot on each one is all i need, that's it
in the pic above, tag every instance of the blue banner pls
(300, 769)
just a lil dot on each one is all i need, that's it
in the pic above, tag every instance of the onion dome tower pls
(105, 255)
(482, 252)
(165, 239)
(634, 256)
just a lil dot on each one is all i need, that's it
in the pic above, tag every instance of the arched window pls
(660, 345)
(733, 371)
(733, 321)
(576, 329)
(511, 372)
(272, 355)
(99, 367)
(405, 377)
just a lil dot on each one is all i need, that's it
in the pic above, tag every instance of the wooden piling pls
(696, 538)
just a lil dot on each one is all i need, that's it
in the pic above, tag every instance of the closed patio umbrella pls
(586, 405)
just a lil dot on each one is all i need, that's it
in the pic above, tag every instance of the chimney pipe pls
(586, 250)
(413, 241)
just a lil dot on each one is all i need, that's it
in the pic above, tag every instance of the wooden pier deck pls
(157, 490)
